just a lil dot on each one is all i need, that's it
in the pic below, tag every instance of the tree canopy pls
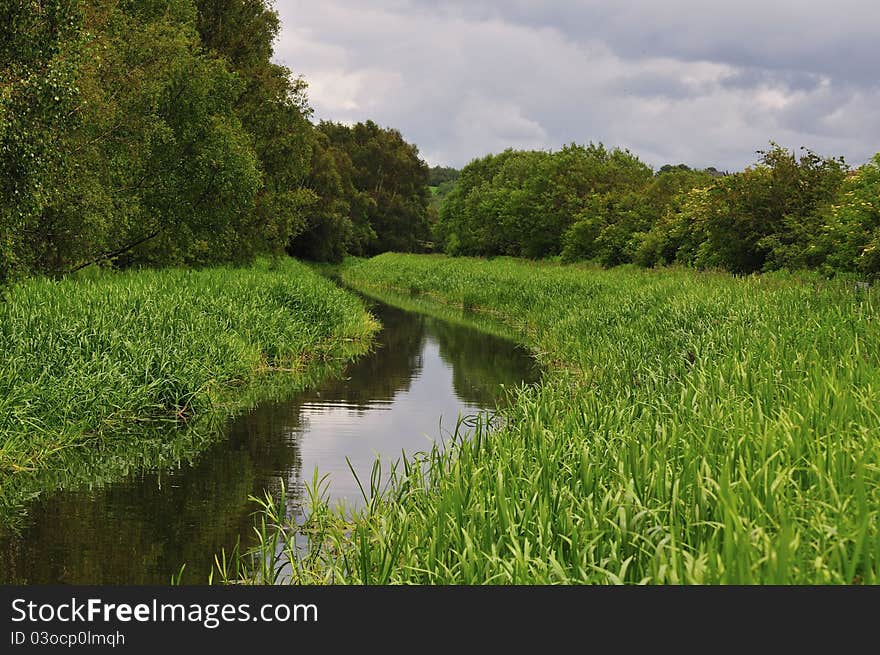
(439, 175)
(162, 133)
(522, 202)
(590, 203)
(383, 196)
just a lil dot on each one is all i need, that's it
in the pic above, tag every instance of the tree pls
(851, 224)
(674, 234)
(765, 217)
(169, 172)
(152, 133)
(390, 172)
(439, 175)
(441, 181)
(522, 203)
(120, 139)
(273, 109)
(337, 221)
(40, 56)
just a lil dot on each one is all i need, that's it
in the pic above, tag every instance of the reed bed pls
(93, 367)
(692, 428)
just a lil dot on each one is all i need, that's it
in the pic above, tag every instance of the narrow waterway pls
(407, 393)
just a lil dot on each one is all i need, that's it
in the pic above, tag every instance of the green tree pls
(667, 199)
(273, 108)
(467, 223)
(390, 172)
(169, 172)
(764, 218)
(441, 181)
(439, 175)
(337, 223)
(523, 203)
(851, 225)
(40, 56)
(121, 140)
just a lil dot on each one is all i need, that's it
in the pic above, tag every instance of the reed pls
(103, 374)
(692, 428)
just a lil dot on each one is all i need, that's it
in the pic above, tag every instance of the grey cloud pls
(836, 38)
(673, 81)
(653, 85)
(747, 78)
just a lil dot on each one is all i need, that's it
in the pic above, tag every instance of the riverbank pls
(693, 428)
(103, 376)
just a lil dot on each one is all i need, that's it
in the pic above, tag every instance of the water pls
(405, 394)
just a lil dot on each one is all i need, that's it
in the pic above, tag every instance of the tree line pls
(160, 132)
(788, 210)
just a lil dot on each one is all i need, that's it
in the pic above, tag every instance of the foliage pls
(41, 49)
(337, 223)
(441, 182)
(273, 109)
(153, 133)
(851, 232)
(692, 429)
(440, 175)
(168, 157)
(766, 217)
(382, 186)
(93, 363)
(521, 203)
(786, 212)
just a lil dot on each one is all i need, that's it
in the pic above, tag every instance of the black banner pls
(389, 618)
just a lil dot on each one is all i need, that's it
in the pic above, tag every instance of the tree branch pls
(116, 253)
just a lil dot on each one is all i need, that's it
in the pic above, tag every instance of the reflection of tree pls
(388, 369)
(481, 362)
(140, 532)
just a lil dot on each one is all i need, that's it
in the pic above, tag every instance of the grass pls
(692, 428)
(99, 376)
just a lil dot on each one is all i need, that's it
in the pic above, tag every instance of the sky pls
(674, 81)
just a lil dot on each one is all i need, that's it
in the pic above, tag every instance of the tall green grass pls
(692, 428)
(98, 375)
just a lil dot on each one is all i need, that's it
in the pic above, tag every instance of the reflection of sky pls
(331, 429)
(141, 529)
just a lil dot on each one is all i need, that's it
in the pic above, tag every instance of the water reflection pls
(423, 373)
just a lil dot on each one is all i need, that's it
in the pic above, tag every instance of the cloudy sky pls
(705, 83)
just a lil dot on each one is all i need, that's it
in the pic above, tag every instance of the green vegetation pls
(441, 175)
(692, 429)
(441, 182)
(522, 203)
(590, 203)
(94, 366)
(373, 194)
(162, 133)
